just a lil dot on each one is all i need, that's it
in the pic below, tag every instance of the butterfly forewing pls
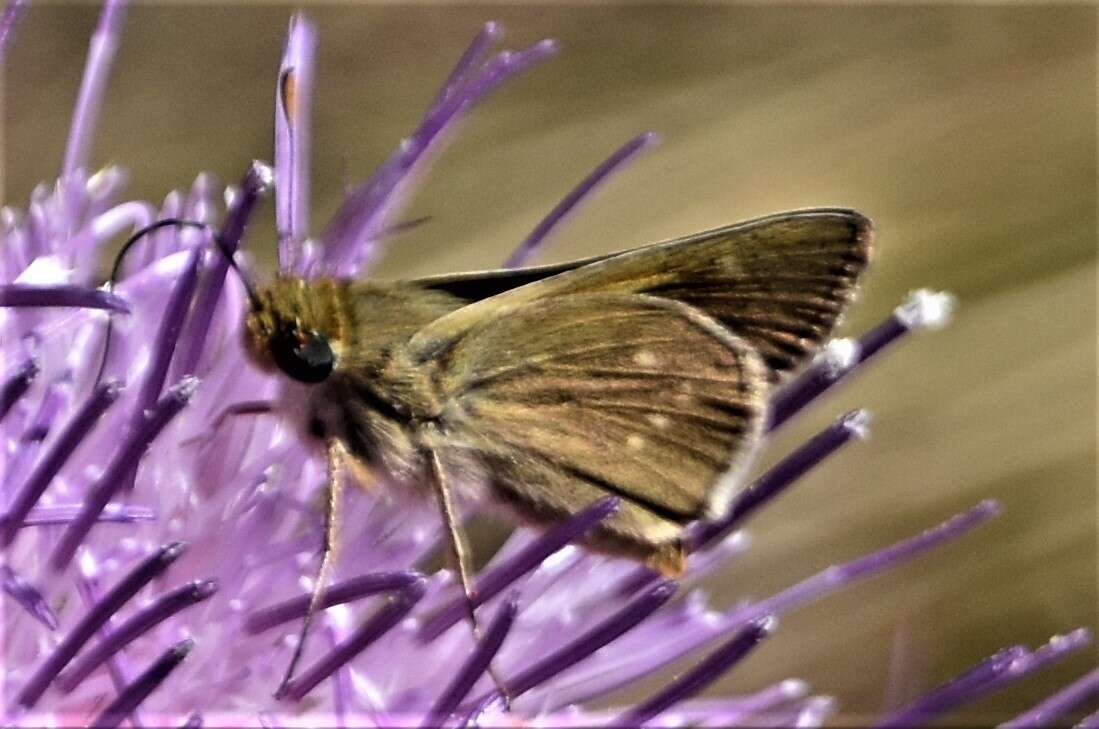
(780, 282)
(570, 399)
(643, 374)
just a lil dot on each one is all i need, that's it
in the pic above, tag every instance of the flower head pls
(149, 540)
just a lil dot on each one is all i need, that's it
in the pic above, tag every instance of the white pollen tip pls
(265, 174)
(548, 45)
(104, 180)
(186, 388)
(9, 217)
(794, 688)
(87, 564)
(838, 356)
(817, 709)
(858, 422)
(927, 309)
(738, 541)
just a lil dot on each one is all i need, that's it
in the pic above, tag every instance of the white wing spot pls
(645, 358)
(635, 442)
(658, 421)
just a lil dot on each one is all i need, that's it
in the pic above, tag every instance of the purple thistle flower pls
(114, 621)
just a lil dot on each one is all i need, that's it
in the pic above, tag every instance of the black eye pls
(304, 356)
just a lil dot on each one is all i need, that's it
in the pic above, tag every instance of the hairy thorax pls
(374, 401)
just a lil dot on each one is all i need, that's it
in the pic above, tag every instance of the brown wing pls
(780, 282)
(571, 399)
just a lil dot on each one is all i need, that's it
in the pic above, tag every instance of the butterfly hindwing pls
(581, 396)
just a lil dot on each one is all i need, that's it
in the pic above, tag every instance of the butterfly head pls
(287, 330)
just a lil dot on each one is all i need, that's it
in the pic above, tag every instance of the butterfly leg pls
(333, 492)
(460, 554)
(237, 409)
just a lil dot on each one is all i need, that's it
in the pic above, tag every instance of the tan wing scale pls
(780, 282)
(568, 400)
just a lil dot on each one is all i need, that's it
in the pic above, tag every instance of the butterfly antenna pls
(222, 245)
(249, 289)
(116, 268)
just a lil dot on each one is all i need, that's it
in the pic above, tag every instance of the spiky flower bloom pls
(147, 542)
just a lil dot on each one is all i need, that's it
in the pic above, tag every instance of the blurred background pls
(967, 133)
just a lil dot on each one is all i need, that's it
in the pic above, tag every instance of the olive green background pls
(968, 133)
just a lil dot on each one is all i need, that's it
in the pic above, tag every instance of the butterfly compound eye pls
(303, 356)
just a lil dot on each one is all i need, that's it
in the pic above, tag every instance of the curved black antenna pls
(222, 246)
(117, 267)
(138, 235)
(249, 289)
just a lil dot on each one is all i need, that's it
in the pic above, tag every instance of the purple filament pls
(839, 433)
(117, 667)
(361, 217)
(101, 55)
(884, 334)
(63, 295)
(343, 592)
(140, 688)
(627, 672)
(922, 309)
(293, 134)
(254, 184)
(16, 386)
(958, 690)
(499, 578)
(340, 683)
(476, 664)
(51, 462)
(395, 609)
(1056, 649)
(489, 34)
(767, 700)
(53, 402)
(841, 575)
(1059, 704)
(64, 513)
(502, 67)
(142, 621)
(28, 597)
(824, 371)
(164, 346)
(268, 720)
(808, 712)
(167, 336)
(193, 721)
(125, 460)
(533, 242)
(821, 375)
(1091, 721)
(641, 607)
(12, 10)
(704, 534)
(96, 617)
(698, 678)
